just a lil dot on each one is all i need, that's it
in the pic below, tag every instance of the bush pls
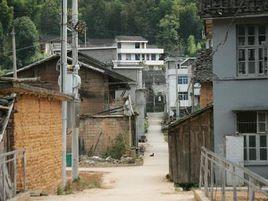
(118, 148)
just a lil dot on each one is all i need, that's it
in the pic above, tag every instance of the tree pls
(49, 21)
(191, 46)
(168, 36)
(26, 41)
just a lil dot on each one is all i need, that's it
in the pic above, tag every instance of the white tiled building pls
(134, 52)
(178, 78)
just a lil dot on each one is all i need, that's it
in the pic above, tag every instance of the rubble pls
(96, 161)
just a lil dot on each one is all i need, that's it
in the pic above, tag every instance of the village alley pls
(142, 183)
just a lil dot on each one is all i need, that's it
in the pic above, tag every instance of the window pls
(143, 57)
(183, 79)
(137, 45)
(147, 57)
(119, 56)
(183, 96)
(153, 57)
(137, 57)
(253, 125)
(128, 56)
(119, 45)
(251, 49)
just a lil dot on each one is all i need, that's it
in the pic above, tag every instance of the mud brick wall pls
(110, 127)
(37, 128)
(206, 94)
(94, 92)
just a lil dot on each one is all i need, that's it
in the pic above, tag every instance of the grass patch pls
(86, 180)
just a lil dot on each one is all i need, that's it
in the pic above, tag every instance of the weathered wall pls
(206, 94)
(185, 141)
(94, 88)
(110, 127)
(230, 92)
(38, 129)
(94, 92)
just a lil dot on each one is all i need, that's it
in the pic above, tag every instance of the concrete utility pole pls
(63, 77)
(14, 54)
(76, 84)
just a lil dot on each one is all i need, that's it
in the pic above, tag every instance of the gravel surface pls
(141, 183)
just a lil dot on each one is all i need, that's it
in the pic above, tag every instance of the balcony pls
(136, 64)
(232, 8)
(140, 51)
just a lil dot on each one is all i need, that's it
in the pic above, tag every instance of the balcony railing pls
(232, 8)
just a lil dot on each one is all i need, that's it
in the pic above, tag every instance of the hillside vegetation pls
(171, 24)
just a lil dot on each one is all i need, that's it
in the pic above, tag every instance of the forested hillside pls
(172, 24)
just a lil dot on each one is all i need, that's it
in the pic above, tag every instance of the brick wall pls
(94, 89)
(94, 92)
(110, 127)
(38, 129)
(206, 94)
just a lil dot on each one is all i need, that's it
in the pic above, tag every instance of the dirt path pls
(144, 183)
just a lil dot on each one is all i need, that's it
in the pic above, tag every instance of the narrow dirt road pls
(143, 183)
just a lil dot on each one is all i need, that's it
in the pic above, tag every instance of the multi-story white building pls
(182, 92)
(134, 52)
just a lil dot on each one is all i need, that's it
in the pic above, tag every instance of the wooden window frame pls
(256, 47)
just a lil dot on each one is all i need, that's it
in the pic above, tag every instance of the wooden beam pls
(35, 79)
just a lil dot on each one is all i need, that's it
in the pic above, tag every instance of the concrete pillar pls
(140, 108)
(172, 90)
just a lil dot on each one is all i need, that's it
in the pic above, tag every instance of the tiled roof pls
(232, 8)
(130, 38)
(203, 69)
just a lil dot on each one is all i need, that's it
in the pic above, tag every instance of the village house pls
(98, 87)
(128, 56)
(240, 92)
(31, 139)
(232, 72)
(182, 92)
(189, 134)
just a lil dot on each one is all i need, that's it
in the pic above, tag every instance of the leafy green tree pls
(168, 36)
(191, 46)
(49, 20)
(26, 41)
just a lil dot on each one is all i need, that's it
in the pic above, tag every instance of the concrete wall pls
(229, 92)
(38, 130)
(104, 55)
(105, 129)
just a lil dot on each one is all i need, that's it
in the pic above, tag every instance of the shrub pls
(118, 148)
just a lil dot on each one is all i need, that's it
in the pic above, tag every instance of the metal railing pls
(12, 174)
(223, 180)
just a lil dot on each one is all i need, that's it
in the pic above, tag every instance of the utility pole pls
(192, 88)
(76, 84)
(15, 76)
(177, 95)
(63, 77)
